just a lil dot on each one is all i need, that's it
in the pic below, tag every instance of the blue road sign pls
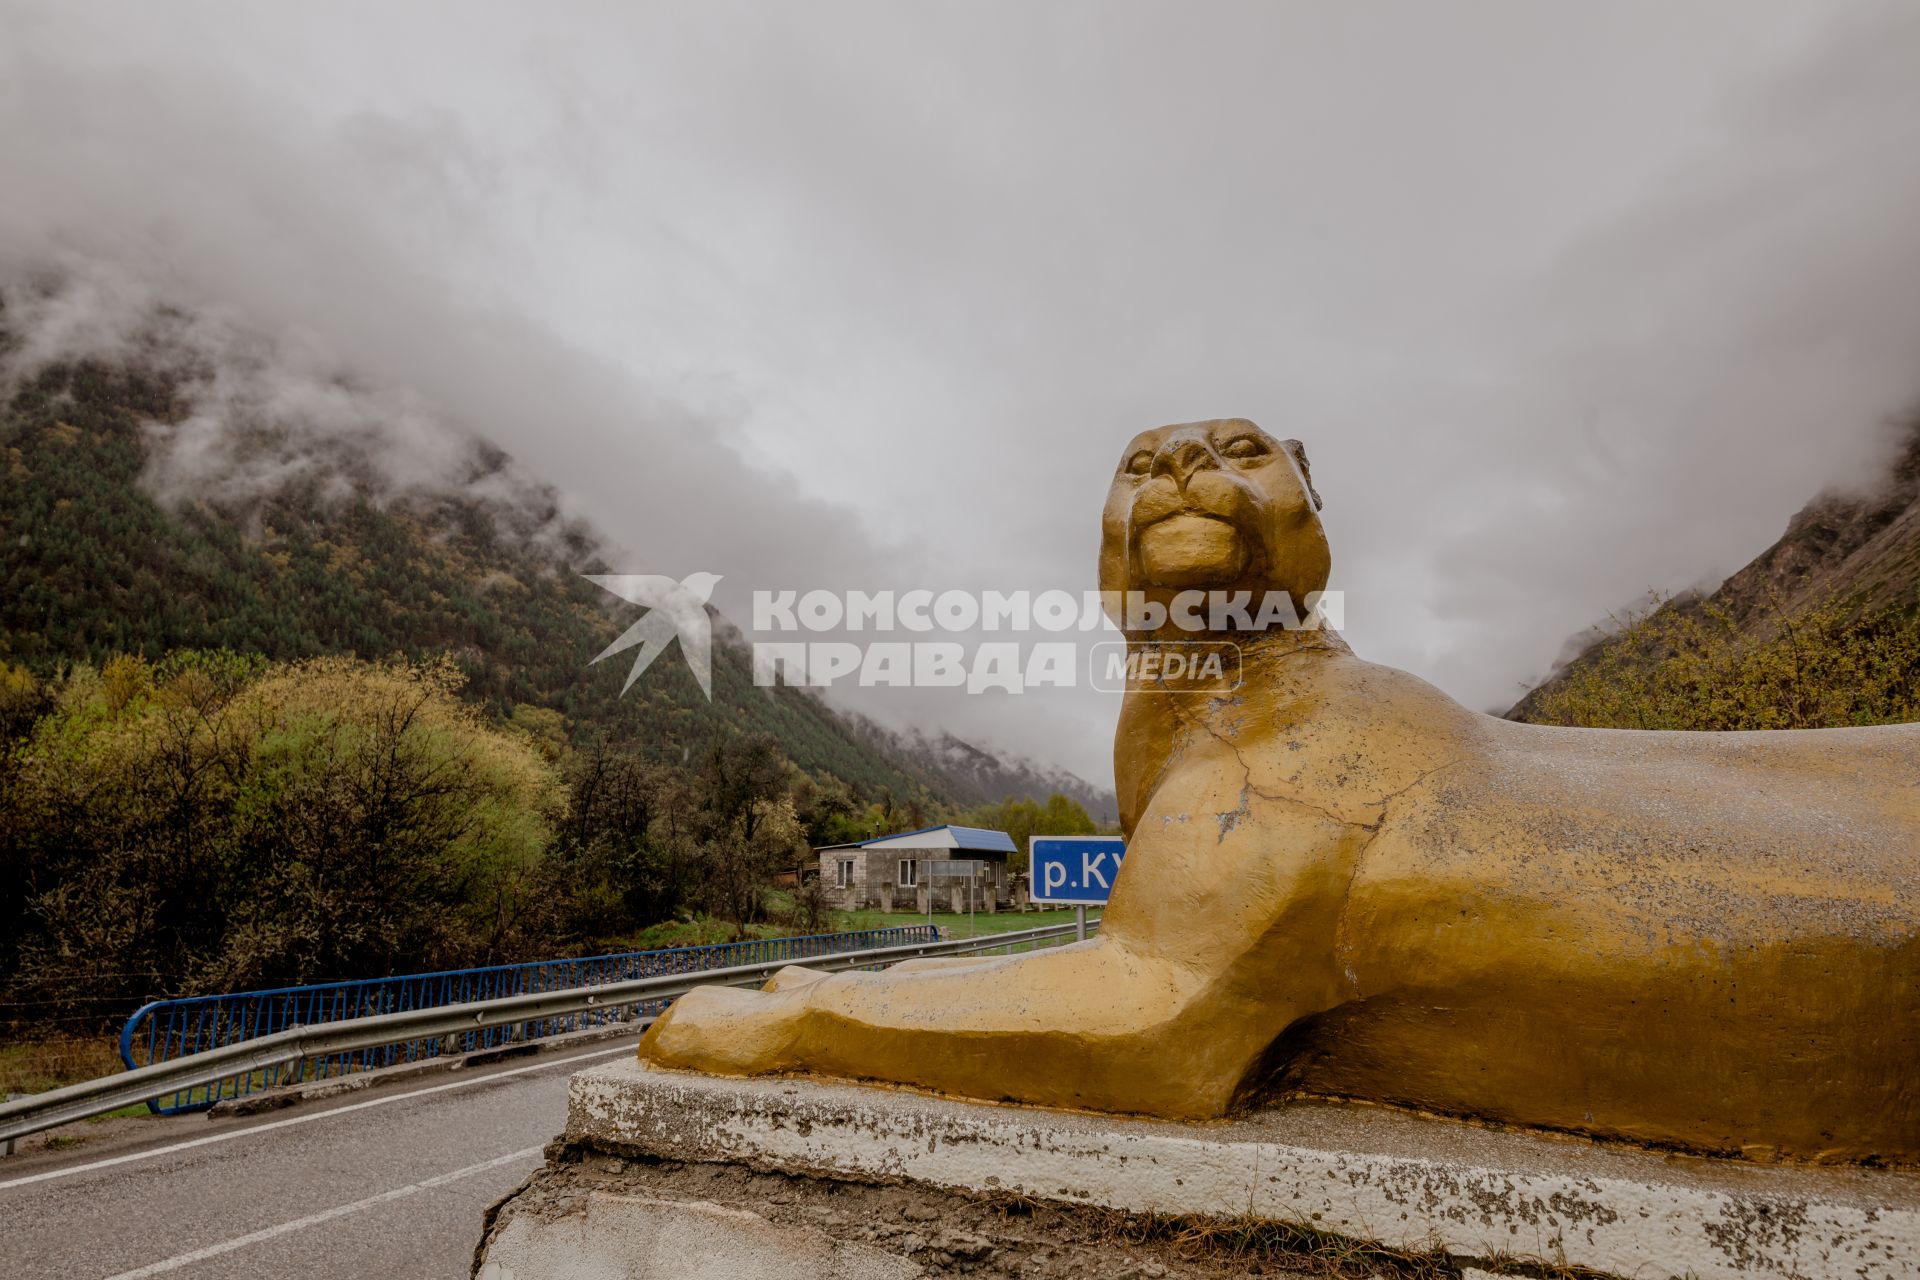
(1075, 870)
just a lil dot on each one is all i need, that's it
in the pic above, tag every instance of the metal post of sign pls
(973, 883)
(1079, 924)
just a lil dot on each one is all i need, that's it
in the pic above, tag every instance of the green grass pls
(36, 1065)
(702, 931)
(978, 925)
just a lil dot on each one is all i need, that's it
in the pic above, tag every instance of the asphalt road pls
(388, 1183)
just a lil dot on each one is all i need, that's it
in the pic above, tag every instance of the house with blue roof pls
(943, 868)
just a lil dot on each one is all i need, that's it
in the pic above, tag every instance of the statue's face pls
(1216, 505)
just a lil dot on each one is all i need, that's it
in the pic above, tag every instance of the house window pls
(843, 873)
(909, 873)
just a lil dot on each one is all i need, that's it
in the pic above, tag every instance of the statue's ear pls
(1299, 453)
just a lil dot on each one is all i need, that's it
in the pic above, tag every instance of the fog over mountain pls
(1567, 301)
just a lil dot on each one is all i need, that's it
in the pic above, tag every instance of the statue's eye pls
(1140, 463)
(1243, 447)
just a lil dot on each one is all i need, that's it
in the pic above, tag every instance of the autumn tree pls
(212, 823)
(747, 824)
(1060, 815)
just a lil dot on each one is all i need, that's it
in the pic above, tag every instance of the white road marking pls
(230, 1134)
(325, 1215)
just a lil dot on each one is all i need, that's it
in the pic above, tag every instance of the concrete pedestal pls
(668, 1174)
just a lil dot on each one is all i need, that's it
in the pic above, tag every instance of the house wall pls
(873, 867)
(859, 892)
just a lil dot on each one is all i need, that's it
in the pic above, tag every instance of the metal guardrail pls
(175, 1028)
(282, 1049)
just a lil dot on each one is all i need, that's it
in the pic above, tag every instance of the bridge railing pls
(280, 1050)
(169, 1029)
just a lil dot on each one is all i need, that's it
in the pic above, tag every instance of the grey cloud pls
(327, 295)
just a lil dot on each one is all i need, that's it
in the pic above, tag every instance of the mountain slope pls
(91, 564)
(979, 777)
(1861, 550)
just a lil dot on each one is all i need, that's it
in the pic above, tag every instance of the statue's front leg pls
(1093, 1025)
(734, 1031)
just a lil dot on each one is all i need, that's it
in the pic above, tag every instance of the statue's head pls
(1213, 506)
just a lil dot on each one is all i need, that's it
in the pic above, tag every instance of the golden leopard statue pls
(1342, 883)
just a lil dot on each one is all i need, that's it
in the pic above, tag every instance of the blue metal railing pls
(168, 1029)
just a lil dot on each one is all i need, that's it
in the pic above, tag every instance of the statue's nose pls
(1181, 458)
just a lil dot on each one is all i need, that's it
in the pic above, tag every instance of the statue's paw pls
(792, 978)
(726, 1031)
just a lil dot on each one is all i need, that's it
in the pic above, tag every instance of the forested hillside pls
(91, 565)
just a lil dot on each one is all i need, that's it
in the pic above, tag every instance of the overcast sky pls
(1567, 300)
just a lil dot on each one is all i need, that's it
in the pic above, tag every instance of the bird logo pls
(673, 609)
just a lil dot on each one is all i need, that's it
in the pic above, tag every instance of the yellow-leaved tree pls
(216, 822)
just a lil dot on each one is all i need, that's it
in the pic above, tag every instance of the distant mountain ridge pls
(329, 558)
(1862, 549)
(962, 769)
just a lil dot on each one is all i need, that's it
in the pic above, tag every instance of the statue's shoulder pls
(1333, 688)
(1343, 732)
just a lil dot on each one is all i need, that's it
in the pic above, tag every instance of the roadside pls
(392, 1182)
(131, 1126)
(35, 1066)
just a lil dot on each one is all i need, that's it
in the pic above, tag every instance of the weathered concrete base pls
(1476, 1196)
(593, 1215)
(618, 1236)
